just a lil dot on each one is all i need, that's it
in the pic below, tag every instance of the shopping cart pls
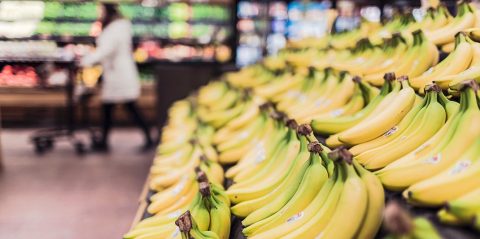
(77, 100)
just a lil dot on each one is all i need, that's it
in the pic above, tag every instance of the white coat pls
(114, 52)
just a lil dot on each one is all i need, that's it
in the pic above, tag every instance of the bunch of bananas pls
(285, 184)
(208, 204)
(347, 194)
(444, 150)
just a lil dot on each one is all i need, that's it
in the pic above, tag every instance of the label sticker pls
(337, 112)
(319, 102)
(293, 93)
(391, 131)
(460, 166)
(295, 217)
(260, 153)
(179, 187)
(302, 98)
(243, 135)
(175, 233)
(434, 159)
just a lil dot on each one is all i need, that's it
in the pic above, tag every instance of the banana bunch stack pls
(256, 75)
(348, 197)
(398, 54)
(441, 31)
(326, 92)
(439, 25)
(456, 67)
(401, 225)
(442, 154)
(242, 133)
(210, 207)
(289, 184)
(320, 94)
(472, 71)
(218, 103)
(395, 99)
(419, 124)
(170, 167)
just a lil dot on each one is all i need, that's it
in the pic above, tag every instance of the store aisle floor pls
(63, 196)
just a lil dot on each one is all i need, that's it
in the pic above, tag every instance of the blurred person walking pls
(121, 85)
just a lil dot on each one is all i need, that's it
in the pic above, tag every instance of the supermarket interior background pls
(232, 91)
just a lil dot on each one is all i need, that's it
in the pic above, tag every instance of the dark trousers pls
(135, 114)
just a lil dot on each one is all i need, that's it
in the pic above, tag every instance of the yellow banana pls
(317, 213)
(405, 174)
(465, 19)
(421, 129)
(378, 124)
(376, 204)
(314, 171)
(456, 62)
(457, 180)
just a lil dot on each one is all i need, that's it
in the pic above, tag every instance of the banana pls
(314, 170)
(457, 180)
(354, 105)
(227, 101)
(352, 206)
(164, 231)
(438, 139)
(421, 129)
(279, 86)
(339, 124)
(392, 133)
(256, 198)
(472, 72)
(308, 189)
(306, 90)
(163, 199)
(404, 174)
(465, 207)
(465, 19)
(277, 174)
(318, 211)
(243, 136)
(188, 228)
(375, 126)
(211, 93)
(376, 204)
(256, 154)
(218, 119)
(250, 113)
(448, 218)
(337, 97)
(351, 203)
(375, 74)
(266, 151)
(170, 178)
(220, 218)
(456, 62)
(449, 47)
